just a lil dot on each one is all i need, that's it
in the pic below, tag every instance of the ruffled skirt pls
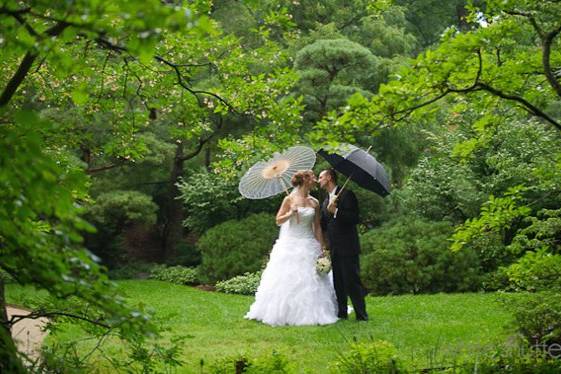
(291, 292)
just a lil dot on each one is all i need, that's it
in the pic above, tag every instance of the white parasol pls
(268, 178)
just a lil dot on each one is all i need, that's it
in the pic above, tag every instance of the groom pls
(338, 220)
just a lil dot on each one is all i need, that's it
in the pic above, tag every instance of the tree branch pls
(176, 68)
(530, 18)
(103, 168)
(525, 103)
(25, 66)
(479, 86)
(202, 142)
(547, 41)
(35, 315)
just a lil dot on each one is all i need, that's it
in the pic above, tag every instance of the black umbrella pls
(360, 166)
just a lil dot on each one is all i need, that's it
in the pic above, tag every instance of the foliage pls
(245, 284)
(5, 277)
(535, 271)
(411, 255)
(187, 255)
(537, 317)
(117, 209)
(143, 358)
(211, 199)
(130, 270)
(329, 70)
(506, 165)
(497, 214)
(376, 356)
(235, 247)
(440, 189)
(112, 214)
(513, 360)
(274, 363)
(543, 232)
(40, 232)
(174, 274)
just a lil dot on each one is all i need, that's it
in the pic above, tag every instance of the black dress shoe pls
(343, 317)
(363, 319)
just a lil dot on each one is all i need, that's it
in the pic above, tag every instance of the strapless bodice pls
(301, 227)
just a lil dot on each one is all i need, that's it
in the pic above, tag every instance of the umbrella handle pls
(348, 179)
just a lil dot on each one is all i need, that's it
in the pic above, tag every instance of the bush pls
(5, 277)
(245, 284)
(187, 255)
(236, 247)
(211, 199)
(276, 363)
(132, 270)
(537, 317)
(174, 274)
(535, 271)
(370, 357)
(513, 361)
(121, 208)
(113, 213)
(411, 255)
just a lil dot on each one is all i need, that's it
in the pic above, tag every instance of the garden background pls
(125, 127)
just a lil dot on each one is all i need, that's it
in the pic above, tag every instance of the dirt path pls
(27, 333)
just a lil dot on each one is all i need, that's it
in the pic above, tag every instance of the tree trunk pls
(173, 232)
(9, 361)
(462, 14)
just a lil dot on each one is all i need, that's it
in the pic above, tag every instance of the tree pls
(330, 70)
(41, 184)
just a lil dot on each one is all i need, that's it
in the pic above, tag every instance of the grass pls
(424, 328)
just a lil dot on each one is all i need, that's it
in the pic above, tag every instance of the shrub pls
(5, 277)
(112, 213)
(537, 317)
(369, 357)
(245, 284)
(174, 274)
(120, 208)
(212, 199)
(187, 255)
(513, 361)
(236, 247)
(411, 255)
(275, 363)
(535, 271)
(132, 270)
(543, 232)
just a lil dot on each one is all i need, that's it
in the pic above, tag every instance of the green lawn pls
(422, 327)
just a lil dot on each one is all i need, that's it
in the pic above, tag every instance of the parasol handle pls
(347, 181)
(284, 185)
(286, 190)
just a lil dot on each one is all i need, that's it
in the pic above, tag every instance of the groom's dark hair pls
(332, 174)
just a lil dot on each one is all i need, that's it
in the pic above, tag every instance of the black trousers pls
(346, 280)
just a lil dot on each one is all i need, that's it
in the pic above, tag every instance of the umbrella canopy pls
(268, 178)
(360, 166)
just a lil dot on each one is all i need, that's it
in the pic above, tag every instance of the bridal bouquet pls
(323, 264)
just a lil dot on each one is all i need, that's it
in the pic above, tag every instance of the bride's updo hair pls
(301, 177)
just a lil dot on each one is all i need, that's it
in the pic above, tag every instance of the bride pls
(291, 292)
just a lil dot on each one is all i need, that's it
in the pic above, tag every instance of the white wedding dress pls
(291, 292)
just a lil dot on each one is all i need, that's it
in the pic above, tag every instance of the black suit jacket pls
(341, 231)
